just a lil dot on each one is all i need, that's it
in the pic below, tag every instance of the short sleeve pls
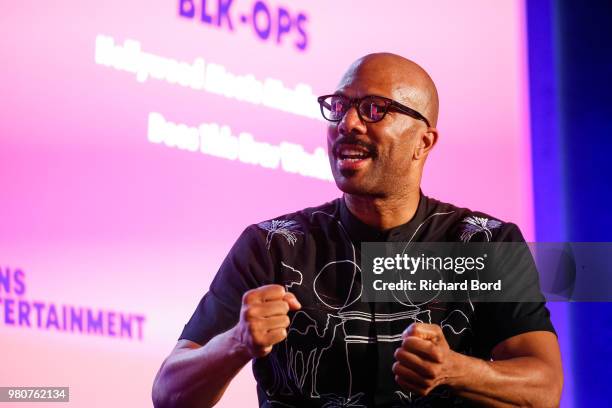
(498, 321)
(247, 266)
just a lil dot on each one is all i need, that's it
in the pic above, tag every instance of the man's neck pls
(383, 213)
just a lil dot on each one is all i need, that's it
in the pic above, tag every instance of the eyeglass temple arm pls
(410, 111)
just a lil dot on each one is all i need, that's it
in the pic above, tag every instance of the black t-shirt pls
(339, 350)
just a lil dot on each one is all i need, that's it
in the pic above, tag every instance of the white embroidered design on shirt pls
(287, 228)
(474, 225)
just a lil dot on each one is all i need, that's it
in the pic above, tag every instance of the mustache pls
(352, 139)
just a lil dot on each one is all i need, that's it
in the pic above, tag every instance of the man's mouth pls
(352, 156)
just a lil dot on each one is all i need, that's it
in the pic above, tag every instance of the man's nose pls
(351, 123)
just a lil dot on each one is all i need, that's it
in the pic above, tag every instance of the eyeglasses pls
(370, 108)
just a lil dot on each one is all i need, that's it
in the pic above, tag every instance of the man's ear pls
(427, 140)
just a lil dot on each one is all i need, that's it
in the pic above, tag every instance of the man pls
(288, 294)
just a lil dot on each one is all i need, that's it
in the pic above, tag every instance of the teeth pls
(352, 152)
(347, 153)
(349, 159)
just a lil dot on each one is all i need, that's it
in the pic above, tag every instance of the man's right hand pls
(263, 318)
(195, 375)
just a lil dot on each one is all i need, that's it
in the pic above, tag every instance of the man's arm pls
(526, 369)
(197, 376)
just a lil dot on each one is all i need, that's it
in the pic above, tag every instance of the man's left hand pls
(424, 359)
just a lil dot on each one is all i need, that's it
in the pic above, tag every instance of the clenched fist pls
(263, 318)
(424, 359)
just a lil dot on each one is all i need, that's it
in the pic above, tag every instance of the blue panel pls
(547, 146)
(585, 53)
(547, 159)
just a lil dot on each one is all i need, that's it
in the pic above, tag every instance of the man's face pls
(385, 148)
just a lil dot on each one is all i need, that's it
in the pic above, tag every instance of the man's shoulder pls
(305, 216)
(466, 224)
(291, 225)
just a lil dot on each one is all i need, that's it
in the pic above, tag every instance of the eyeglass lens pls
(370, 108)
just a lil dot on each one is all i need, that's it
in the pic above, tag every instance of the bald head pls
(399, 78)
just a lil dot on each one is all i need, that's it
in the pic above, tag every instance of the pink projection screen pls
(139, 138)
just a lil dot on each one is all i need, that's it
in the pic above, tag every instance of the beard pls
(370, 181)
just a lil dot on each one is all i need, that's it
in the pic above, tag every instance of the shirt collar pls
(362, 232)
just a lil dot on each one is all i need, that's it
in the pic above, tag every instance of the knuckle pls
(275, 290)
(401, 355)
(250, 313)
(283, 334)
(409, 330)
(249, 296)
